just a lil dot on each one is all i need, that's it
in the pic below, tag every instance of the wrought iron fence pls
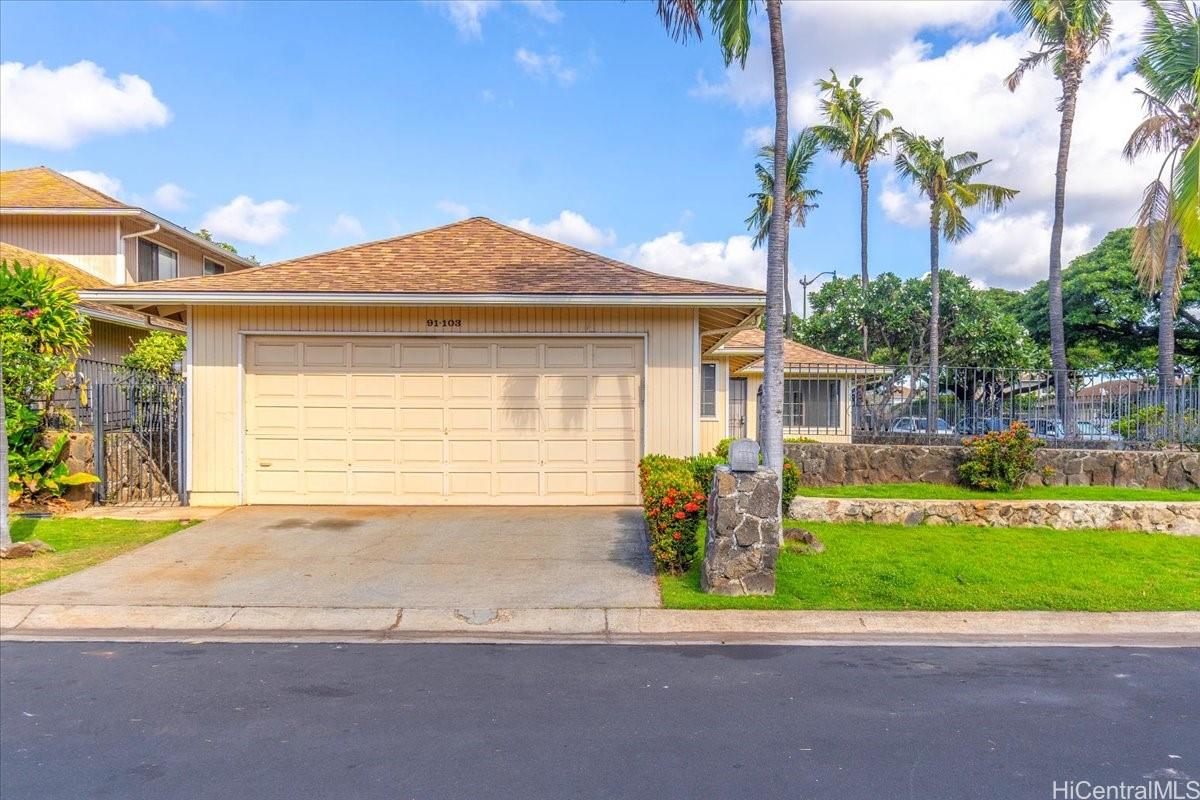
(138, 429)
(1076, 408)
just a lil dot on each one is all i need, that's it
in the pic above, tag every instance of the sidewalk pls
(613, 625)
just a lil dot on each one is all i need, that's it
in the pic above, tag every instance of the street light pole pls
(805, 282)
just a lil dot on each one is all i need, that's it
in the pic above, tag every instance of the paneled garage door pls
(503, 421)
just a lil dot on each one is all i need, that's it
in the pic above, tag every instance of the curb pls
(613, 625)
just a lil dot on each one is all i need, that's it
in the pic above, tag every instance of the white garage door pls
(503, 421)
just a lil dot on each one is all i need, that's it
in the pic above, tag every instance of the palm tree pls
(799, 197)
(1168, 221)
(5, 531)
(730, 21)
(947, 182)
(1067, 31)
(854, 130)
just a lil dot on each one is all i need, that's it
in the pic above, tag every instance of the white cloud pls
(97, 180)
(545, 10)
(734, 261)
(1012, 251)
(453, 209)
(59, 108)
(549, 65)
(347, 226)
(172, 197)
(467, 15)
(570, 228)
(248, 221)
(758, 137)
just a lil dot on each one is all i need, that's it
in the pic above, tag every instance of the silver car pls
(919, 424)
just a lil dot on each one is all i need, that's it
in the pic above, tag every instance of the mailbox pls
(743, 455)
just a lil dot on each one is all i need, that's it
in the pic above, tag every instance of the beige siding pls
(216, 417)
(191, 257)
(110, 342)
(712, 430)
(90, 243)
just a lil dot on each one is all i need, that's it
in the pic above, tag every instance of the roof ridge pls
(83, 187)
(373, 242)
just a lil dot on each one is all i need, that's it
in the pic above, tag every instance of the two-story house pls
(94, 241)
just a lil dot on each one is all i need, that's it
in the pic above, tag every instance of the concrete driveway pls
(366, 557)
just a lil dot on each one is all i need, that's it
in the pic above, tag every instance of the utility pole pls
(805, 282)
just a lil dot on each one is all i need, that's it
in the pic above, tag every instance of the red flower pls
(698, 496)
(691, 508)
(677, 536)
(680, 515)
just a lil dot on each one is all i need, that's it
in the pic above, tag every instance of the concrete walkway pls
(318, 558)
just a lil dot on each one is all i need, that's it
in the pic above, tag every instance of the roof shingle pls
(754, 339)
(474, 256)
(42, 187)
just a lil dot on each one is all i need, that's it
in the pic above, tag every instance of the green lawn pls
(941, 491)
(960, 568)
(78, 543)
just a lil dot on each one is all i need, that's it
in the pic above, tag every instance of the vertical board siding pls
(110, 342)
(89, 243)
(216, 372)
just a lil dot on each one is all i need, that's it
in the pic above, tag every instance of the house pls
(469, 364)
(817, 389)
(94, 241)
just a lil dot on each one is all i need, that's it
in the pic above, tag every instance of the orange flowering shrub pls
(1001, 460)
(674, 503)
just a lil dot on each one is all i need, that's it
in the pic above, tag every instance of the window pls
(155, 262)
(812, 403)
(213, 268)
(708, 390)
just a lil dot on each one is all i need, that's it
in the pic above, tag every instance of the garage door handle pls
(264, 463)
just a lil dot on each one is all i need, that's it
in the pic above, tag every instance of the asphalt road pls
(231, 721)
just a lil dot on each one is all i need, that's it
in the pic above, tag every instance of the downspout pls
(151, 232)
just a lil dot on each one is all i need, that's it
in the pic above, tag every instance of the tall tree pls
(1168, 221)
(5, 530)
(800, 197)
(730, 21)
(854, 129)
(947, 181)
(1066, 31)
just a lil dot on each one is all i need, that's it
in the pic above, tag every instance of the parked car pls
(1091, 432)
(1046, 428)
(978, 426)
(917, 425)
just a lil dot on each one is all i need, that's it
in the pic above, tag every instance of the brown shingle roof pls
(753, 339)
(475, 256)
(77, 278)
(42, 187)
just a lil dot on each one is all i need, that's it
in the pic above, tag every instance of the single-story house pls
(468, 364)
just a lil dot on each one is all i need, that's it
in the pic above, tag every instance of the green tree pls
(1168, 221)
(800, 198)
(1067, 32)
(156, 354)
(948, 183)
(854, 129)
(730, 21)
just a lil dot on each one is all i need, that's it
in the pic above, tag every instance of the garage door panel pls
(443, 420)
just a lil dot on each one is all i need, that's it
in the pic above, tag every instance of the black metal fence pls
(890, 403)
(138, 430)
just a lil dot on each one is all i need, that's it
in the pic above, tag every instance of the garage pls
(507, 420)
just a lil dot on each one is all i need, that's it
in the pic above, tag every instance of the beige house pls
(94, 241)
(469, 364)
(817, 390)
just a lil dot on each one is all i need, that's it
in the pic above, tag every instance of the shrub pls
(156, 354)
(791, 483)
(702, 468)
(674, 505)
(721, 451)
(41, 332)
(1001, 460)
(799, 440)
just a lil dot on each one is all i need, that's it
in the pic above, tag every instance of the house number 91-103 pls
(443, 323)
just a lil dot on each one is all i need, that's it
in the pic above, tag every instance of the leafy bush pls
(40, 471)
(156, 354)
(702, 468)
(1001, 460)
(41, 332)
(674, 505)
(1149, 422)
(799, 440)
(791, 483)
(721, 451)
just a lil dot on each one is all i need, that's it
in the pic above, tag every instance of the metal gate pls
(737, 408)
(138, 430)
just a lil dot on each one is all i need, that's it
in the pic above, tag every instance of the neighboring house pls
(817, 389)
(469, 364)
(96, 241)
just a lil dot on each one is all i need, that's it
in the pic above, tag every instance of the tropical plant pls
(156, 354)
(38, 471)
(1067, 32)
(854, 129)
(1000, 461)
(947, 181)
(800, 198)
(1168, 221)
(730, 21)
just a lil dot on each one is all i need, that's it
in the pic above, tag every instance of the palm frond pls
(731, 23)
(1186, 187)
(1151, 236)
(1029, 62)
(1153, 134)
(681, 18)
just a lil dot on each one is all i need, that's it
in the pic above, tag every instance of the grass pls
(960, 568)
(78, 543)
(941, 491)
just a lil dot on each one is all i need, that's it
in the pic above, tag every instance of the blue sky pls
(344, 122)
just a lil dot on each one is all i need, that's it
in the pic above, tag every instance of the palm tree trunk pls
(788, 326)
(776, 258)
(1166, 334)
(935, 305)
(5, 530)
(863, 182)
(1058, 339)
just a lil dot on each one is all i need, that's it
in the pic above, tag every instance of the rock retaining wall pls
(856, 464)
(744, 533)
(1178, 518)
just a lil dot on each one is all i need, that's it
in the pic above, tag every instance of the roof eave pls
(135, 297)
(148, 322)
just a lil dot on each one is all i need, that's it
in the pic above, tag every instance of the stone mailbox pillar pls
(745, 532)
